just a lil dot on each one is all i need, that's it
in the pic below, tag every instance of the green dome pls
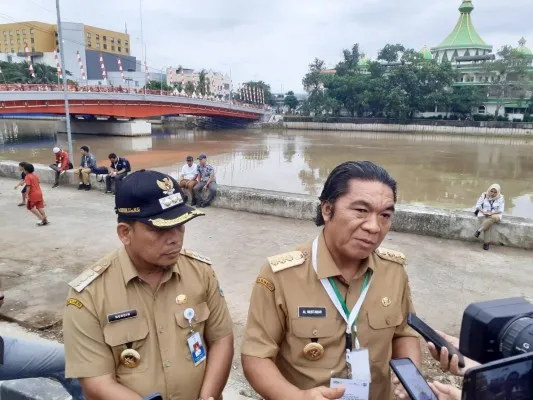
(426, 53)
(523, 49)
(364, 62)
(464, 35)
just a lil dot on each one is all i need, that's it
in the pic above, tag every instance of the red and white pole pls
(30, 69)
(102, 67)
(121, 70)
(58, 65)
(82, 68)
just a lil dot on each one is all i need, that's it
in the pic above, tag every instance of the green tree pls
(203, 86)
(350, 62)
(511, 77)
(313, 83)
(262, 89)
(464, 99)
(156, 85)
(19, 73)
(291, 101)
(391, 52)
(189, 88)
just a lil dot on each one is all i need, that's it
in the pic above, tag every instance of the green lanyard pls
(345, 307)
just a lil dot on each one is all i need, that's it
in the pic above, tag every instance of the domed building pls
(469, 53)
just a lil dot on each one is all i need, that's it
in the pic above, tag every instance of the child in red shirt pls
(34, 193)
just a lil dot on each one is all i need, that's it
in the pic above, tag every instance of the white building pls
(219, 83)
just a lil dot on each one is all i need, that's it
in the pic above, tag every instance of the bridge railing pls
(114, 89)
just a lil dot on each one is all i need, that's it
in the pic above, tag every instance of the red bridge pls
(116, 102)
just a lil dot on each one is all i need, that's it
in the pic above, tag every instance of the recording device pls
(411, 379)
(509, 379)
(496, 329)
(430, 335)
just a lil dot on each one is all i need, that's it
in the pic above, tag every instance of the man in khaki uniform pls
(150, 317)
(296, 339)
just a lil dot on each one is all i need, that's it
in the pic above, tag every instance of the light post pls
(65, 85)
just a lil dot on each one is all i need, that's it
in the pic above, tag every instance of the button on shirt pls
(189, 172)
(158, 333)
(205, 172)
(276, 331)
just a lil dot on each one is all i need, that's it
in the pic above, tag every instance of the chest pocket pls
(324, 331)
(382, 324)
(119, 334)
(201, 315)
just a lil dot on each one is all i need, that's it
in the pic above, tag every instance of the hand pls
(204, 188)
(445, 363)
(322, 393)
(15, 188)
(399, 390)
(445, 392)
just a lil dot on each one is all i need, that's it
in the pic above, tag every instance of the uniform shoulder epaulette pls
(391, 255)
(89, 275)
(286, 260)
(196, 256)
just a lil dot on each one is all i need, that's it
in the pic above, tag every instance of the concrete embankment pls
(483, 130)
(427, 221)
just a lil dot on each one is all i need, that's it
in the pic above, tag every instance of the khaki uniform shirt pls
(275, 329)
(159, 332)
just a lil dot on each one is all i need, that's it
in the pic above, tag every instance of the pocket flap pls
(314, 327)
(384, 320)
(126, 331)
(201, 313)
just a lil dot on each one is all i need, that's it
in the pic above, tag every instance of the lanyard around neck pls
(336, 298)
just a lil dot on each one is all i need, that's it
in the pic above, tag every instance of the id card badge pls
(197, 349)
(357, 384)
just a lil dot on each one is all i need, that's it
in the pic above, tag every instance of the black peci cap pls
(153, 198)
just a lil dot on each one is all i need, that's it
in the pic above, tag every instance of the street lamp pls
(65, 85)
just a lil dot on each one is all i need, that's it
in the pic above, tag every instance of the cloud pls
(275, 40)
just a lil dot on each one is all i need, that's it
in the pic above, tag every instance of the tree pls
(156, 85)
(291, 101)
(510, 76)
(189, 88)
(203, 84)
(313, 83)
(350, 62)
(19, 73)
(260, 87)
(391, 52)
(465, 98)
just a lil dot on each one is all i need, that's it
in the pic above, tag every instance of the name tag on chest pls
(121, 315)
(313, 312)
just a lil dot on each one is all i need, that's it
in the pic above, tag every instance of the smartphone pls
(430, 335)
(509, 378)
(411, 379)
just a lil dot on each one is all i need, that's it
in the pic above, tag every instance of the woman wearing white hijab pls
(489, 210)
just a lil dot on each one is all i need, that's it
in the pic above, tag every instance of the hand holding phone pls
(430, 335)
(411, 379)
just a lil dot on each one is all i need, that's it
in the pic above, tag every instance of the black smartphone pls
(510, 379)
(411, 379)
(430, 335)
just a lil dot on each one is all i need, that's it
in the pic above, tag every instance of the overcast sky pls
(275, 40)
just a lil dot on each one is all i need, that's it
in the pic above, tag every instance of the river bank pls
(480, 128)
(441, 223)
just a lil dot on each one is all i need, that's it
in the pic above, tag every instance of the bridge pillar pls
(108, 128)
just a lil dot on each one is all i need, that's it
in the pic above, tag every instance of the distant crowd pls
(196, 180)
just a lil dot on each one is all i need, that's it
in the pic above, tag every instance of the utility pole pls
(143, 50)
(65, 84)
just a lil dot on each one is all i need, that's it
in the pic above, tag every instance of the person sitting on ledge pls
(61, 165)
(489, 210)
(119, 169)
(207, 181)
(87, 164)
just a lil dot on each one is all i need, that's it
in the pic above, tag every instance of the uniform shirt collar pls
(327, 267)
(129, 271)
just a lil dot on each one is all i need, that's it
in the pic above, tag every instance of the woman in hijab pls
(489, 210)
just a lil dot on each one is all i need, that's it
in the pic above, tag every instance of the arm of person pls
(27, 182)
(445, 392)
(125, 169)
(87, 356)
(106, 388)
(20, 183)
(218, 334)
(479, 204)
(501, 207)
(211, 178)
